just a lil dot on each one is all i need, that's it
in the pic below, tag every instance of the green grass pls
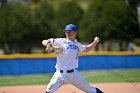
(101, 76)
(25, 79)
(112, 76)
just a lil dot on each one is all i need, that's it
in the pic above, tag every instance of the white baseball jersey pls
(68, 59)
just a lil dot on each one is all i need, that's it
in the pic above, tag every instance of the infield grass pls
(100, 76)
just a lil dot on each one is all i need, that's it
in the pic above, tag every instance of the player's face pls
(71, 35)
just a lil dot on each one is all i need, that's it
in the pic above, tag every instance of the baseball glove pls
(54, 49)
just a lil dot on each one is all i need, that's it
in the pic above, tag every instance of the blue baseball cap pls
(70, 27)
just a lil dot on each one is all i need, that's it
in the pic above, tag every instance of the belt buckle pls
(70, 71)
(67, 71)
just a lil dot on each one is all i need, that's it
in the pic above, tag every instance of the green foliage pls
(109, 20)
(123, 20)
(42, 16)
(13, 28)
(68, 12)
(23, 27)
(92, 23)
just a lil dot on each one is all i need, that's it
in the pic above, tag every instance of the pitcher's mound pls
(106, 87)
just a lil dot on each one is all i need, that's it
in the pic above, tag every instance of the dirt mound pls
(106, 87)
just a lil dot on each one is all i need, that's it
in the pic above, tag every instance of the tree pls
(110, 20)
(92, 23)
(2, 2)
(68, 12)
(42, 19)
(134, 4)
(14, 26)
(23, 28)
(122, 22)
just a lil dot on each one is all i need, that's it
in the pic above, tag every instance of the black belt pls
(67, 71)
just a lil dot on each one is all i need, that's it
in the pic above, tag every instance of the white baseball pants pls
(73, 78)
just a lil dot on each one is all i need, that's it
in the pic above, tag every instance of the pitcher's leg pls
(54, 84)
(81, 83)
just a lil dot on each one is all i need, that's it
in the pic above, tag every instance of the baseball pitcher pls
(67, 61)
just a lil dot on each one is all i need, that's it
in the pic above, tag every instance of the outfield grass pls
(112, 76)
(101, 76)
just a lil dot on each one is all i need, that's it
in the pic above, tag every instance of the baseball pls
(96, 39)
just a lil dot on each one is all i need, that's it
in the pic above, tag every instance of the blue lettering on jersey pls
(73, 47)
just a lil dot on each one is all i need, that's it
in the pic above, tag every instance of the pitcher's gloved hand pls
(53, 48)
